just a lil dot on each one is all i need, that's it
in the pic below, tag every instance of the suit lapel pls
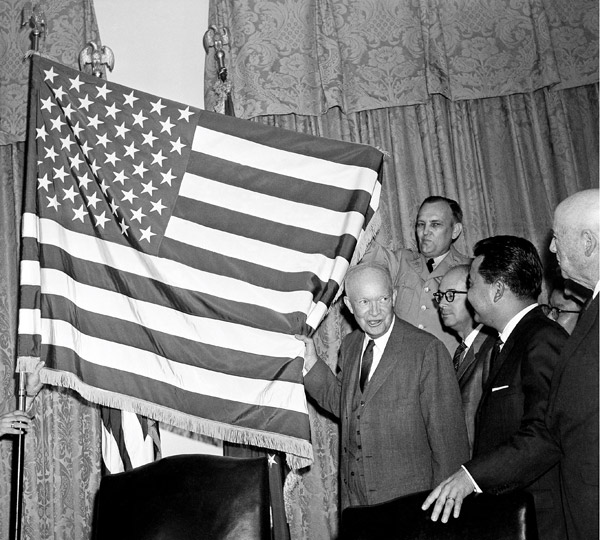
(513, 339)
(386, 364)
(351, 371)
(471, 355)
(588, 319)
(466, 363)
(440, 270)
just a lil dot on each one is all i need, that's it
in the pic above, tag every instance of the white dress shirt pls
(378, 348)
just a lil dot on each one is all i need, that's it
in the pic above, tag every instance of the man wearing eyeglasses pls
(563, 309)
(472, 357)
(417, 273)
(503, 286)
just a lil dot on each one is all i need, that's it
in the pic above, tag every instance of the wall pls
(158, 49)
(157, 45)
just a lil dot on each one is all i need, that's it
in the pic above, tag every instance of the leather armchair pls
(482, 517)
(185, 497)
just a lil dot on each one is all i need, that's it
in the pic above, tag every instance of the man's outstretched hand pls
(449, 495)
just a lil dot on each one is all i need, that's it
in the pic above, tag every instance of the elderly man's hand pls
(310, 353)
(449, 495)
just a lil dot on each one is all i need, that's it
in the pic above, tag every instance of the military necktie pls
(429, 264)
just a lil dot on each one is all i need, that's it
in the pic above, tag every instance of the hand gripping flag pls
(170, 254)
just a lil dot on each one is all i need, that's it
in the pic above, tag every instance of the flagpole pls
(21, 405)
(36, 19)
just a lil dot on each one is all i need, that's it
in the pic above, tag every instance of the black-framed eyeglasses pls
(554, 312)
(449, 295)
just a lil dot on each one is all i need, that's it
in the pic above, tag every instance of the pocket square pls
(500, 388)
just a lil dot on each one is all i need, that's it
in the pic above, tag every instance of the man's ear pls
(456, 231)
(499, 290)
(394, 295)
(348, 304)
(590, 242)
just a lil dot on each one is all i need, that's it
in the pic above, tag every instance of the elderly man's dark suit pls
(569, 435)
(409, 428)
(516, 394)
(471, 374)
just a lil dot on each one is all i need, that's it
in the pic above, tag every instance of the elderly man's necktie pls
(365, 366)
(429, 264)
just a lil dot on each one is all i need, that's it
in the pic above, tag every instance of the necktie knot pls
(456, 359)
(429, 264)
(365, 365)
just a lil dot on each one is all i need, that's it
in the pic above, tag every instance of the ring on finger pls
(450, 498)
(12, 425)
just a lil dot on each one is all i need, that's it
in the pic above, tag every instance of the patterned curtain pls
(307, 56)
(62, 451)
(492, 103)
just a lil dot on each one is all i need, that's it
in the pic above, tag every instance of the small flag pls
(129, 440)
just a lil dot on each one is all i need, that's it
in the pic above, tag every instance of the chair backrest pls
(482, 517)
(184, 497)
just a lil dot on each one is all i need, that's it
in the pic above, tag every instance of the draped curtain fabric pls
(62, 450)
(307, 56)
(493, 103)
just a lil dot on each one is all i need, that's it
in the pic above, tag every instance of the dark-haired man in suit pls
(416, 274)
(569, 435)
(504, 282)
(472, 357)
(395, 394)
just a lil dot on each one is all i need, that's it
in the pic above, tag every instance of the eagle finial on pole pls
(35, 18)
(96, 56)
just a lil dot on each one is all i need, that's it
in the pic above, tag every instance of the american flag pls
(170, 255)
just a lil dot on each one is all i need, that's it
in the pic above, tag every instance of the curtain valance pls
(307, 56)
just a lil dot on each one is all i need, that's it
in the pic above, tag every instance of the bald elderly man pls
(395, 394)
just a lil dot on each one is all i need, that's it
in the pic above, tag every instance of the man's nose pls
(374, 308)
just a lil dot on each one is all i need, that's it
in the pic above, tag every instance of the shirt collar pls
(468, 341)
(381, 341)
(596, 290)
(510, 326)
(437, 260)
